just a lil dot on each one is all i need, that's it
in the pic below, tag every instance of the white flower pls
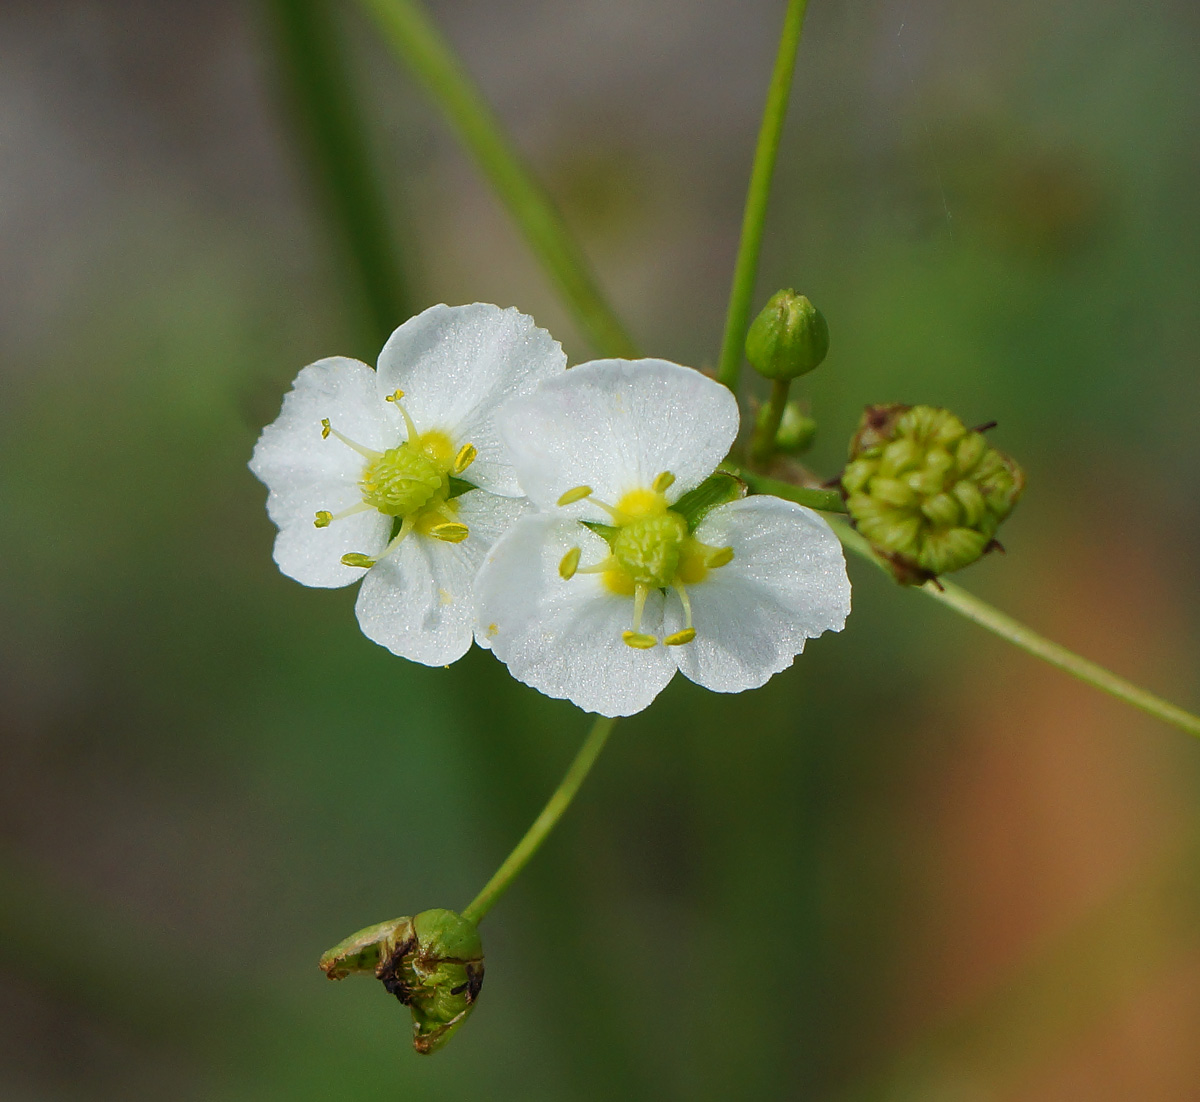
(577, 598)
(359, 466)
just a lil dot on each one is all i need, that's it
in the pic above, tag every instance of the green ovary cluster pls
(927, 492)
(402, 481)
(648, 550)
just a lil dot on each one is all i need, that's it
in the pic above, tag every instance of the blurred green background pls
(918, 865)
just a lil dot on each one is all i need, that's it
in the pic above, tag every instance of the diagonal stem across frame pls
(991, 618)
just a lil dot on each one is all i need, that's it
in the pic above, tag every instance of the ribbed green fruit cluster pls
(928, 493)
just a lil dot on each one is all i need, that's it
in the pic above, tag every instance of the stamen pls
(353, 558)
(394, 398)
(609, 562)
(577, 494)
(663, 482)
(569, 564)
(450, 532)
(466, 456)
(722, 557)
(639, 604)
(406, 526)
(680, 637)
(327, 430)
(639, 641)
(325, 518)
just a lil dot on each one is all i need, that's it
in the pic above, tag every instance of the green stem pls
(318, 86)
(558, 803)
(997, 622)
(415, 39)
(737, 317)
(829, 501)
(762, 444)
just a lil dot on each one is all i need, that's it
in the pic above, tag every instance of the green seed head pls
(400, 481)
(433, 963)
(648, 550)
(928, 493)
(788, 339)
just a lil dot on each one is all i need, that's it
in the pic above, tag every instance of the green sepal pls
(606, 532)
(459, 486)
(718, 489)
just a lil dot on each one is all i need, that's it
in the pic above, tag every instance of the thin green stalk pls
(558, 803)
(737, 318)
(828, 501)
(997, 622)
(418, 43)
(318, 86)
(762, 445)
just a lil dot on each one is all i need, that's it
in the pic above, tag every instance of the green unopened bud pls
(432, 963)
(927, 492)
(796, 429)
(788, 339)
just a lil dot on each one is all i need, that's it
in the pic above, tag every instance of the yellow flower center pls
(410, 481)
(401, 481)
(650, 548)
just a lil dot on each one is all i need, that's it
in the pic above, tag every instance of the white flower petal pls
(616, 424)
(787, 583)
(457, 365)
(305, 472)
(564, 637)
(418, 602)
(313, 556)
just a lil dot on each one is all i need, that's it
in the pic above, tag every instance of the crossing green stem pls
(828, 501)
(762, 446)
(416, 41)
(317, 85)
(737, 317)
(997, 622)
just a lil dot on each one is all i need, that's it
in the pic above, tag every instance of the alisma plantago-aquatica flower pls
(618, 580)
(397, 476)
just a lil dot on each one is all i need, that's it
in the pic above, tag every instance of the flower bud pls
(788, 339)
(433, 963)
(927, 492)
(796, 429)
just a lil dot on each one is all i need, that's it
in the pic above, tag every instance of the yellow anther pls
(450, 533)
(353, 558)
(324, 518)
(680, 637)
(569, 564)
(466, 456)
(639, 641)
(577, 494)
(721, 557)
(663, 482)
(395, 396)
(326, 428)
